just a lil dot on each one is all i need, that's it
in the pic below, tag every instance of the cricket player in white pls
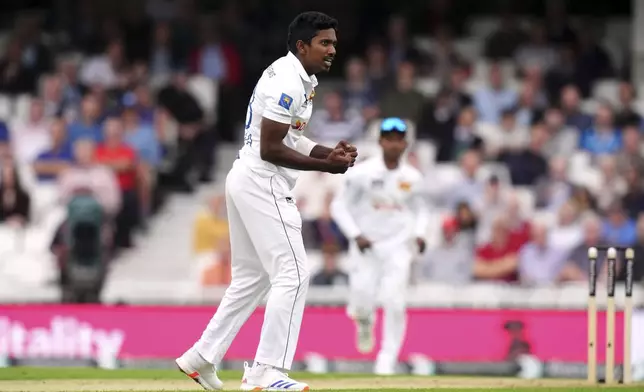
(268, 256)
(382, 212)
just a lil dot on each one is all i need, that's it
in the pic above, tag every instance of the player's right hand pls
(363, 243)
(338, 161)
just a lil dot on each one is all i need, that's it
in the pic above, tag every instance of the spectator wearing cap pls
(121, 158)
(602, 137)
(56, 159)
(540, 262)
(451, 262)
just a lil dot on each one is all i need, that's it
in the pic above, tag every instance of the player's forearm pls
(343, 218)
(281, 155)
(320, 152)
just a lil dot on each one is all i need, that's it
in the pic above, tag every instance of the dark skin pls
(393, 146)
(315, 57)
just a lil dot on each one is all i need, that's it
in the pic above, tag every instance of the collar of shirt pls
(311, 79)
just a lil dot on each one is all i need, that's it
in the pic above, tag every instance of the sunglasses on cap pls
(393, 124)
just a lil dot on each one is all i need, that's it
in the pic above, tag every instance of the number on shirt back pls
(248, 139)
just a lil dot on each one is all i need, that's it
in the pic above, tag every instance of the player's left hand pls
(421, 244)
(349, 149)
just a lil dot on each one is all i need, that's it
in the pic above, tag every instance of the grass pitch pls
(93, 380)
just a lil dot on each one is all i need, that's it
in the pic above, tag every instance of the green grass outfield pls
(89, 379)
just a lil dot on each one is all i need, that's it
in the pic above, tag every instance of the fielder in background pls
(380, 209)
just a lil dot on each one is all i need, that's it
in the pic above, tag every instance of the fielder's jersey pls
(284, 93)
(381, 204)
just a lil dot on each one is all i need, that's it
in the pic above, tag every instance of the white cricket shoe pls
(268, 378)
(199, 370)
(365, 340)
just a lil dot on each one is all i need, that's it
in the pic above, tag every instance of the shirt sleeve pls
(347, 197)
(418, 205)
(281, 102)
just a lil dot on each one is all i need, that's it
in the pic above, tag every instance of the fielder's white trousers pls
(268, 257)
(380, 275)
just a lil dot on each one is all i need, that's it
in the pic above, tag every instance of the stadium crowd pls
(110, 113)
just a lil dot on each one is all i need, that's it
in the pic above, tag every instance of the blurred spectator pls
(528, 111)
(469, 187)
(88, 177)
(459, 98)
(571, 107)
(497, 260)
(4, 136)
(15, 201)
(437, 123)
(184, 108)
(577, 267)
(559, 30)
(215, 58)
(377, 68)
(528, 165)
(31, 137)
(444, 56)
(358, 91)
(507, 137)
(36, 56)
(618, 228)
(536, 50)
(631, 153)
(554, 189)
(15, 77)
(584, 200)
(211, 243)
(58, 157)
(540, 261)
(638, 248)
(626, 114)
(335, 122)
(563, 139)
(456, 247)
(567, 232)
(88, 125)
(491, 101)
(73, 90)
(503, 43)
(331, 274)
(52, 96)
(141, 101)
(564, 74)
(518, 225)
(403, 100)
(463, 138)
(593, 63)
(492, 204)
(633, 200)
(612, 186)
(467, 220)
(105, 70)
(399, 46)
(318, 228)
(115, 154)
(602, 137)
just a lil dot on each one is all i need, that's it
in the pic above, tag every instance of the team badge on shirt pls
(286, 101)
(404, 186)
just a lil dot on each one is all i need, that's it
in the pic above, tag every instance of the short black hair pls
(306, 25)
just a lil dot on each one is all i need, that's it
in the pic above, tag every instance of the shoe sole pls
(257, 389)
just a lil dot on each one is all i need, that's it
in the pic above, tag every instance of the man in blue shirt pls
(88, 126)
(58, 158)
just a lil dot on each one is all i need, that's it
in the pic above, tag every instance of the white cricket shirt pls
(381, 204)
(284, 93)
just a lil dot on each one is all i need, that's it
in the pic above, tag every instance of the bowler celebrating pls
(268, 255)
(381, 210)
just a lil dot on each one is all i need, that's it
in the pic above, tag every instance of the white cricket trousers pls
(380, 275)
(268, 257)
